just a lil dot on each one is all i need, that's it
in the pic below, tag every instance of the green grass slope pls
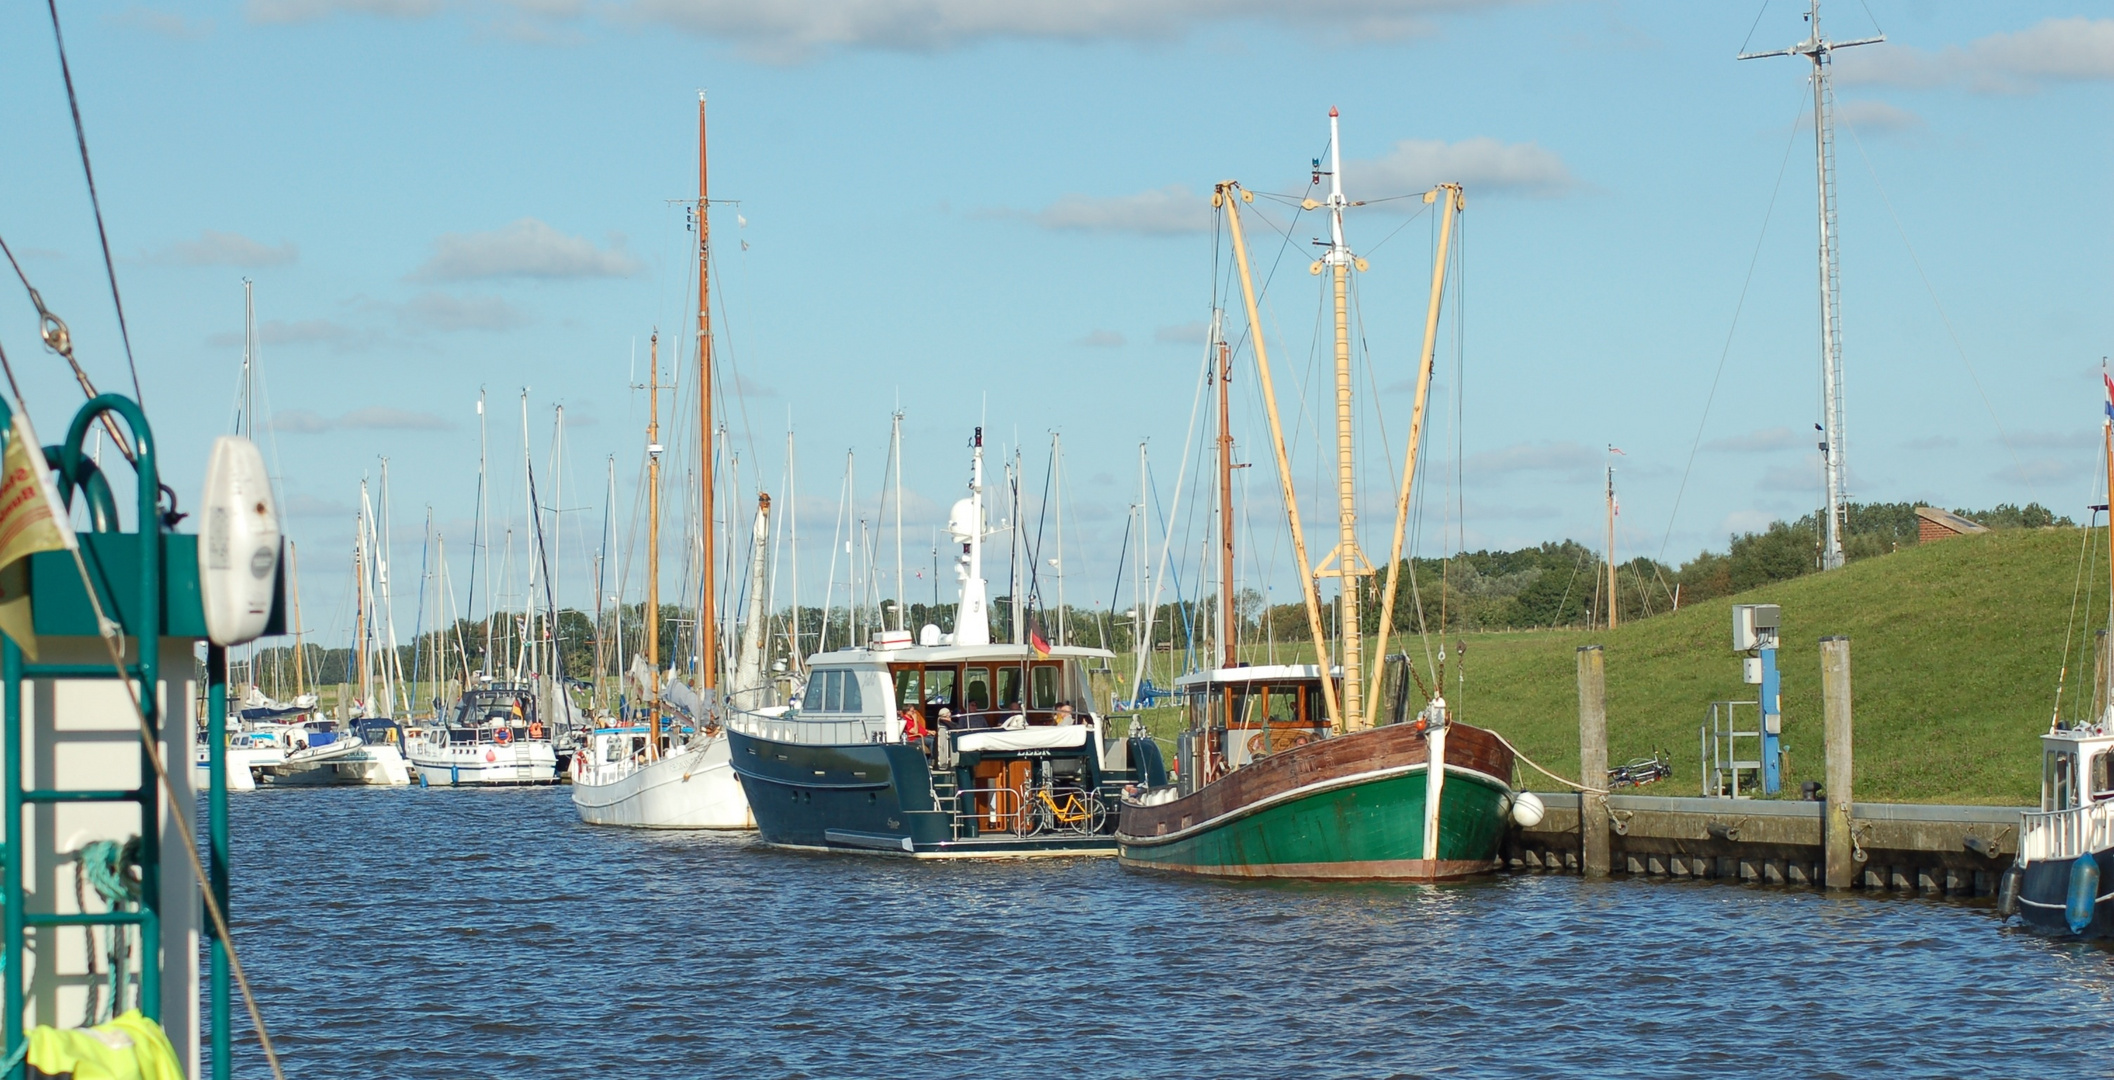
(1955, 649)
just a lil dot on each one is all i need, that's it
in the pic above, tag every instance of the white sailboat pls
(629, 774)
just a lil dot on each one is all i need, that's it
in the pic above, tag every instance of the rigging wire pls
(95, 202)
(1739, 306)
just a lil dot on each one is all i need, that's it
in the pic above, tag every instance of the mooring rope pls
(1537, 768)
(108, 867)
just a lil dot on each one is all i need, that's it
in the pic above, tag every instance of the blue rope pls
(111, 869)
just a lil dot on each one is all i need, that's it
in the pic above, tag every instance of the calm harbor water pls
(442, 933)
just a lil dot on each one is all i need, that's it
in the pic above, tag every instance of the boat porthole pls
(872, 798)
(807, 796)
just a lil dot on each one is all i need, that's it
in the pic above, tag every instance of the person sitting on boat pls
(914, 728)
(1064, 714)
(973, 714)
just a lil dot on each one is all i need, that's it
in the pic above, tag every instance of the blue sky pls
(997, 212)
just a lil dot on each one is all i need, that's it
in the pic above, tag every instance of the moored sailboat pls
(633, 774)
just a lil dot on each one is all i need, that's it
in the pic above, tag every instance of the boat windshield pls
(502, 705)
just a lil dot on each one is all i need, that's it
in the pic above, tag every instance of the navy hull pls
(875, 798)
(2044, 894)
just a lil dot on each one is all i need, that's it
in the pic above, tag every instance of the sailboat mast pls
(2107, 429)
(529, 638)
(895, 439)
(293, 583)
(653, 548)
(359, 617)
(792, 507)
(1064, 635)
(1614, 598)
(484, 517)
(1228, 640)
(707, 623)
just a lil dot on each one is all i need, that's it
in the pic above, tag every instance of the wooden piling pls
(1835, 701)
(1593, 759)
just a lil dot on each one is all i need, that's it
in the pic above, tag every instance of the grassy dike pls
(1954, 652)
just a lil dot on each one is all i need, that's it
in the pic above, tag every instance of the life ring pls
(535, 729)
(502, 735)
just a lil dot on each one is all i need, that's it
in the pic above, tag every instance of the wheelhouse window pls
(2103, 775)
(939, 686)
(1009, 687)
(2059, 779)
(976, 689)
(907, 694)
(832, 691)
(1042, 685)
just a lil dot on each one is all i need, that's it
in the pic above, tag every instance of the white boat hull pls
(524, 761)
(368, 766)
(692, 789)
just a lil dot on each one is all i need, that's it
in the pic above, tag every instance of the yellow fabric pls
(31, 520)
(130, 1047)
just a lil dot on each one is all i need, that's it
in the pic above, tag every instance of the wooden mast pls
(1350, 561)
(1228, 643)
(1454, 204)
(707, 623)
(653, 548)
(1223, 196)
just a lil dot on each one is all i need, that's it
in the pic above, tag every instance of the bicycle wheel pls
(1034, 816)
(1096, 816)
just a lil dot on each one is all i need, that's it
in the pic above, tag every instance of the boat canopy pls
(1253, 673)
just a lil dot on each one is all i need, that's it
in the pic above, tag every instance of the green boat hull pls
(1362, 828)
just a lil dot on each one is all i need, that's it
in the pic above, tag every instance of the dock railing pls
(1721, 738)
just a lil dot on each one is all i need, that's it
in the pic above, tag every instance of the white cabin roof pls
(1254, 673)
(951, 654)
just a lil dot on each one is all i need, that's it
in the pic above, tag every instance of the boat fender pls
(490, 756)
(2084, 892)
(2008, 892)
(1527, 810)
(238, 557)
(535, 729)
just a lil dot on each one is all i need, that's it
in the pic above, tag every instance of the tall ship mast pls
(707, 620)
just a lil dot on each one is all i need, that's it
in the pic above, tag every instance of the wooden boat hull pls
(1347, 808)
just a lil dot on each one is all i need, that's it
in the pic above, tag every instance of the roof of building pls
(1948, 520)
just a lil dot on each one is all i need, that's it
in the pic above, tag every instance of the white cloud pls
(2039, 471)
(1167, 211)
(168, 24)
(791, 30)
(1101, 339)
(1185, 334)
(1804, 478)
(216, 248)
(528, 248)
(2073, 49)
(444, 312)
(1483, 165)
(1877, 117)
(301, 11)
(1567, 459)
(1764, 440)
(298, 332)
(372, 418)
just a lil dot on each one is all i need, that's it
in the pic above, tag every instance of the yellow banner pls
(31, 520)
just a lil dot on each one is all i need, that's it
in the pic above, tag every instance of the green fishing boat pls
(1267, 792)
(1293, 772)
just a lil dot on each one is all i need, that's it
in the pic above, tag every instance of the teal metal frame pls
(141, 620)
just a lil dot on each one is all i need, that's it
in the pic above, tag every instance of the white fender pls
(238, 554)
(1527, 810)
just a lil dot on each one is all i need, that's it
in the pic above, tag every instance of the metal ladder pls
(132, 595)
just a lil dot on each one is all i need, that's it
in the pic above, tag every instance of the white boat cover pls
(1033, 738)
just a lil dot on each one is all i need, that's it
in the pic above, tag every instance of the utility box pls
(1754, 626)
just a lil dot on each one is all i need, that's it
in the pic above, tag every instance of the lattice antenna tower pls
(1819, 50)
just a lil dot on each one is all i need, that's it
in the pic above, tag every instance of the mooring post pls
(1835, 704)
(1593, 759)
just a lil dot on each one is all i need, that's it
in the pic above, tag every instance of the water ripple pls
(488, 934)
